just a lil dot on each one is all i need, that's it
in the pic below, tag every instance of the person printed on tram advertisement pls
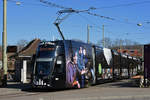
(88, 74)
(85, 60)
(72, 72)
(82, 60)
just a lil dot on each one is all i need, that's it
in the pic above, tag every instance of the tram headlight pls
(56, 78)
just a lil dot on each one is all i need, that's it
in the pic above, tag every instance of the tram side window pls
(99, 55)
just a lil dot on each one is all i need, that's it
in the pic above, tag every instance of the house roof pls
(30, 49)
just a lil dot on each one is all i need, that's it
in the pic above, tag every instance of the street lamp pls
(18, 3)
(139, 24)
(4, 41)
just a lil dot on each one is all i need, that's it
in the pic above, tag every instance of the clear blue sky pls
(33, 20)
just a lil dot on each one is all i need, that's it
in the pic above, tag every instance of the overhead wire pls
(86, 19)
(53, 4)
(93, 8)
(123, 5)
(46, 3)
(97, 15)
(73, 10)
(94, 25)
(21, 3)
(97, 28)
(84, 11)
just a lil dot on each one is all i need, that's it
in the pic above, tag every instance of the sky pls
(34, 19)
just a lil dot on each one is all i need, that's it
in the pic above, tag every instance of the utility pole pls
(120, 46)
(88, 32)
(4, 41)
(103, 36)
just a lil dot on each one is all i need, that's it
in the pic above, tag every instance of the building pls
(133, 50)
(16, 60)
(23, 61)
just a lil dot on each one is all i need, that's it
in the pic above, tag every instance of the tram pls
(73, 64)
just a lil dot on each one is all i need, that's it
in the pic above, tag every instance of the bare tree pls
(117, 43)
(21, 44)
(107, 41)
(127, 42)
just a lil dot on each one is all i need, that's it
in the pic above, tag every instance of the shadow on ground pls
(121, 84)
(28, 87)
(17, 85)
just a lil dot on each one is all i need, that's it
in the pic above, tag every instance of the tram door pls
(93, 70)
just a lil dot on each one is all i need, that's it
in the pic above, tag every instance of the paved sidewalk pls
(121, 90)
(4, 91)
(13, 88)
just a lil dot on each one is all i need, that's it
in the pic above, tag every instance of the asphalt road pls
(111, 91)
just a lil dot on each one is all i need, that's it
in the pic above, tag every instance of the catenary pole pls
(4, 41)
(103, 37)
(88, 40)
